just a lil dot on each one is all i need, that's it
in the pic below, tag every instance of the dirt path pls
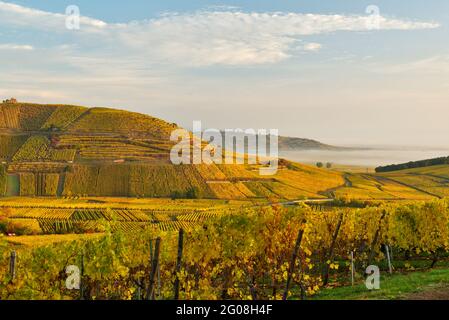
(441, 293)
(348, 182)
(330, 193)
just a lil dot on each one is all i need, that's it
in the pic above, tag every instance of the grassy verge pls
(392, 287)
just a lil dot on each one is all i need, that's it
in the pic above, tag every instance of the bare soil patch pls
(441, 293)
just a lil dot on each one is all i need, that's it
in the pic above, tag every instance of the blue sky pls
(118, 11)
(314, 69)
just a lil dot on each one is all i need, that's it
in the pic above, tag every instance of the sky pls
(340, 71)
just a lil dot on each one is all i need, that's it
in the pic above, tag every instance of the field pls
(227, 248)
(373, 187)
(38, 148)
(222, 182)
(77, 151)
(433, 180)
(90, 215)
(115, 153)
(113, 147)
(107, 152)
(109, 120)
(9, 144)
(411, 184)
(3, 181)
(63, 116)
(26, 117)
(98, 183)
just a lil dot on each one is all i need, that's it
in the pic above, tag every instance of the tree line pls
(413, 164)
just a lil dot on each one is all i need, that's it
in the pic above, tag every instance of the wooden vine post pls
(352, 269)
(154, 269)
(13, 265)
(376, 239)
(331, 250)
(81, 277)
(295, 254)
(178, 263)
(387, 250)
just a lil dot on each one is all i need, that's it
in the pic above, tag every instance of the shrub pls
(177, 195)
(194, 193)
(3, 226)
(22, 228)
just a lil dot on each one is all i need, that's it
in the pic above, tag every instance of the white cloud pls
(12, 46)
(312, 46)
(13, 14)
(202, 38)
(234, 38)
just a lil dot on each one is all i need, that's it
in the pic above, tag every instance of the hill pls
(294, 144)
(71, 151)
(62, 150)
(420, 183)
(431, 180)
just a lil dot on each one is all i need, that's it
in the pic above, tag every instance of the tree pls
(12, 100)
(328, 165)
(194, 193)
(319, 164)
(177, 195)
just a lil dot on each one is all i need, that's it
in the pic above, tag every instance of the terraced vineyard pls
(37, 167)
(411, 184)
(106, 152)
(35, 148)
(77, 152)
(110, 147)
(9, 144)
(433, 180)
(366, 186)
(63, 116)
(53, 121)
(40, 184)
(110, 120)
(57, 220)
(175, 225)
(42, 213)
(26, 117)
(38, 148)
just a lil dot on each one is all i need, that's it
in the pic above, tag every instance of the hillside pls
(421, 183)
(294, 144)
(71, 151)
(414, 164)
(432, 180)
(61, 150)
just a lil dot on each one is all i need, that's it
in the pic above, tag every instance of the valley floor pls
(412, 184)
